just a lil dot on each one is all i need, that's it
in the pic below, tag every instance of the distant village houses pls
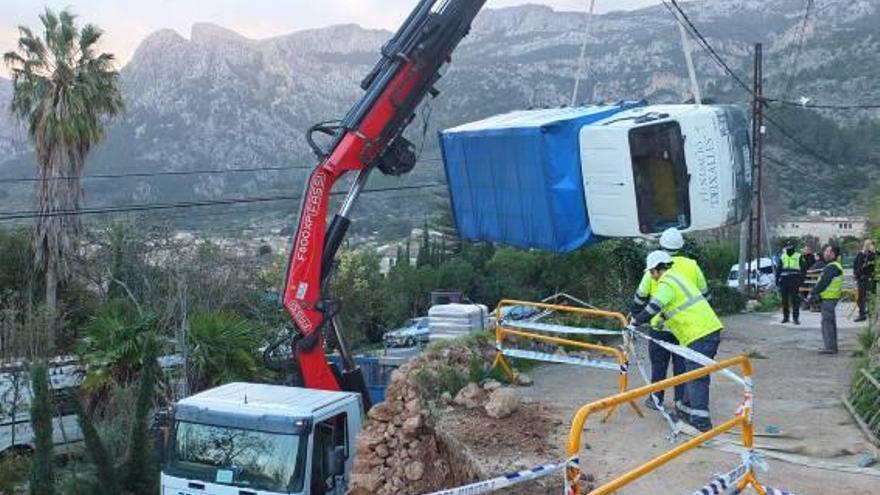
(820, 225)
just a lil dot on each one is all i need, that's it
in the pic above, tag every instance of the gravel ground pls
(797, 391)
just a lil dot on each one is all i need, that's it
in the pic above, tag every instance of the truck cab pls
(258, 439)
(659, 166)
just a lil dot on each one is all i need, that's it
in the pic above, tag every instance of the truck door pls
(331, 449)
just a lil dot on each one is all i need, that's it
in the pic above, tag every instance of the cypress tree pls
(140, 466)
(42, 476)
(108, 479)
(424, 256)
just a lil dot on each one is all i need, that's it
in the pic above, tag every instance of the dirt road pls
(797, 390)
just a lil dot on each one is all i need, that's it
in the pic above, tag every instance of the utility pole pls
(756, 212)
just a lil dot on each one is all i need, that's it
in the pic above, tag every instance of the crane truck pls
(255, 439)
(249, 439)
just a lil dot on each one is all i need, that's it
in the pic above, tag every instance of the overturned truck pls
(561, 179)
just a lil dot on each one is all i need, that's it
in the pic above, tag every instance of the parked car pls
(761, 275)
(515, 313)
(414, 331)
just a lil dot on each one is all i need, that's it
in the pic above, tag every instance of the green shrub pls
(223, 348)
(114, 344)
(13, 467)
(770, 302)
(726, 300)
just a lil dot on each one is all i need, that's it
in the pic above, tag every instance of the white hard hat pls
(658, 258)
(671, 239)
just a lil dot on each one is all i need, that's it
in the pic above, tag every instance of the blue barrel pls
(377, 374)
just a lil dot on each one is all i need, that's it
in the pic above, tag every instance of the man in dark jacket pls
(863, 269)
(828, 289)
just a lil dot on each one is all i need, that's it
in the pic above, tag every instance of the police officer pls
(693, 322)
(788, 279)
(828, 289)
(671, 241)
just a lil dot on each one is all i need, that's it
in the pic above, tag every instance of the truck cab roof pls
(263, 407)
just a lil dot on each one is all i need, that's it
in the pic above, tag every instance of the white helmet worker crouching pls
(671, 239)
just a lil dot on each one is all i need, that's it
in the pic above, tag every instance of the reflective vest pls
(835, 288)
(688, 316)
(684, 266)
(791, 263)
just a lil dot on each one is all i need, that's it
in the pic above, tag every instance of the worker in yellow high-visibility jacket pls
(672, 242)
(829, 289)
(693, 322)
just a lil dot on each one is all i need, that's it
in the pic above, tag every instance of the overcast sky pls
(127, 22)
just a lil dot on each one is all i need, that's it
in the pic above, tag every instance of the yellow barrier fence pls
(521, 329)
(742, 419)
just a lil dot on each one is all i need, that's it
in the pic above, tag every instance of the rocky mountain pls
(217, 100)
(12, 140)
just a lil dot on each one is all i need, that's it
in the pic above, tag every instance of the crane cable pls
(797, 50)
(582, 60)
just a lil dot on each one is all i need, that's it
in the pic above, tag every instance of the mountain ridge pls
(220, 100)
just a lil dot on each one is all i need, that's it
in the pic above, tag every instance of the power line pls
(705, 43)
(21, 215)
(720, 61)
(810, 151)
(170, 173)
(155, 174)
(819, 106)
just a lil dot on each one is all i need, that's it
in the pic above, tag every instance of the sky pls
(127, 22)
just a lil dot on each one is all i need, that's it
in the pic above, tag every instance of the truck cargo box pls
(516, 178)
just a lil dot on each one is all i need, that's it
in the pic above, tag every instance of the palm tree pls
(65, 92)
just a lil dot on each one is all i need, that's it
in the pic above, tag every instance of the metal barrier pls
(525, 329)
(743, 419)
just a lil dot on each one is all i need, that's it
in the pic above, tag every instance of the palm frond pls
(88, 38)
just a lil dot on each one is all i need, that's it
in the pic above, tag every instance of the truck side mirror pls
(336, 462)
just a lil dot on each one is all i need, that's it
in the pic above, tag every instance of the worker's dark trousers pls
(829, 324)
(867, 288)
(789, 287)
(660, 358)
(696, 394)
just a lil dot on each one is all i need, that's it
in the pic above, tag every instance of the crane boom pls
(370, 136)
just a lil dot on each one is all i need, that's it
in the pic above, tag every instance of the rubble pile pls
(399, 451)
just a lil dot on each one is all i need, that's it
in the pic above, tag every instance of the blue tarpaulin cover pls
(515, 178)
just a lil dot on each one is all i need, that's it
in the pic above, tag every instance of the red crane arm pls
(369, 137)
(302, 291)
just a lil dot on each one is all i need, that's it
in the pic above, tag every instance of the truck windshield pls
(242, 458)
(661, 177)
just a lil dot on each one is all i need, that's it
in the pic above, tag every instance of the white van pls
(761, 278)
(65, 376)
(16, 433)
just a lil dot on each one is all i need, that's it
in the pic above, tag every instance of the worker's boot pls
(784, 319)
(701, 424)
(652, 405)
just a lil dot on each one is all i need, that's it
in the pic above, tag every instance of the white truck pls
(257, 439)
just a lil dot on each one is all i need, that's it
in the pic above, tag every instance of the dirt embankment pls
(422, 438)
